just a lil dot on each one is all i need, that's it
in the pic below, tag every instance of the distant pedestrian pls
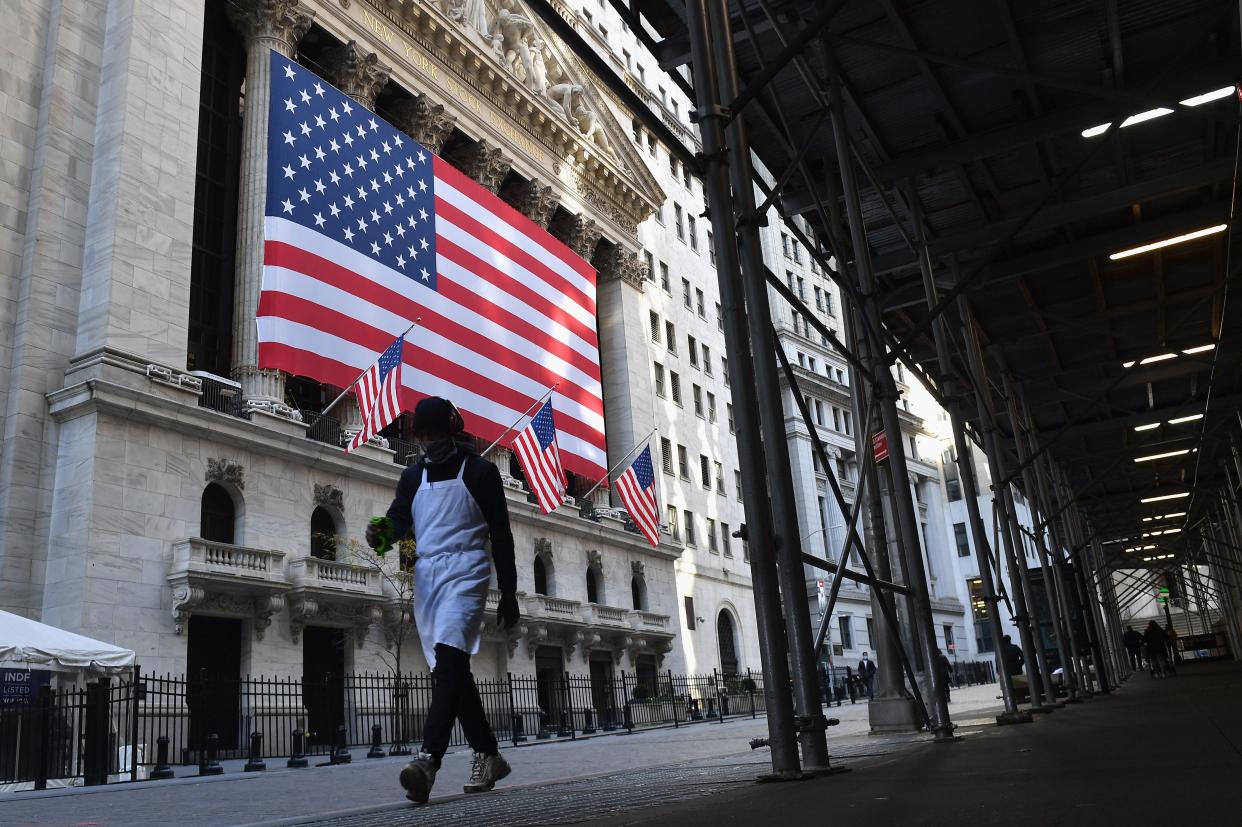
(851, 684)
(1157, 649)
(1175, 653)
(1012, 656)
(945, 671)
(867, 670)
(1134, 647)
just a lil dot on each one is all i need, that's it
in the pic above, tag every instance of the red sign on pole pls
(879, 446)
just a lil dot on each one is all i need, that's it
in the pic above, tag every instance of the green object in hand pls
(384, 527)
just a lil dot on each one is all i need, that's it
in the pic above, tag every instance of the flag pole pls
(334, 402)
(506, 431)
(642, 442)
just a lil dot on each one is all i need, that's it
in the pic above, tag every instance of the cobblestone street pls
(552, 783)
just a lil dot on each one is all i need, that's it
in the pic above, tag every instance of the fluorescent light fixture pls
(1165, 497)
(1172, 515)
(1182, 419)
(1168, 242)
(1163, 357)
(1149, 115)
(1096, 130)
(1165, 455)
(1199, 349)
(1147, 427)
(1208, 97)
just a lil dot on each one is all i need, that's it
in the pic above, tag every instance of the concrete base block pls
(1042, 710)
(893, 715)
(1013, 718)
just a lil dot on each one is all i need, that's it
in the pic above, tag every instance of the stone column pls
(486, 164)
(537, 202)
(267, 25)
(426, 122)
(579, 233)
(361, 76)
(629, 406)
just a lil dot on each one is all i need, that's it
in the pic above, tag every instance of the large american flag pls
(536, 447)
(379, 393)
(365, 230)
(637, 489)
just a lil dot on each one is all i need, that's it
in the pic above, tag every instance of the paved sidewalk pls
(368, 788)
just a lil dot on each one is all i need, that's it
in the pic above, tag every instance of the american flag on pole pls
(541, 459)
(379, 393)
(637, 489)
(365, 230)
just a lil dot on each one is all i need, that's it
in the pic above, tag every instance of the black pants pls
(455, 698)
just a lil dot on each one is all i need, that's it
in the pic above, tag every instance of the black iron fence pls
(114, 730)
(841, 685)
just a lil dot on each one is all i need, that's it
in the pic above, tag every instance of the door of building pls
(602, 689)
(550, 682)
(323, 682)
(213, 681)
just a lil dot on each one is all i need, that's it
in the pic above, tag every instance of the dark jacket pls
(482, 479)
(1013, 657)
(866, 668)
(1132, 640)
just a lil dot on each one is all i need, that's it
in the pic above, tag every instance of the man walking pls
(1133, 642)
(866, 669)
(1011, 655)
(454, 502)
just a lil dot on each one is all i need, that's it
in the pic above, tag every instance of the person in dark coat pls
(1012, 655)
(945, 672)
(1133, 642)
(867, 670)
(1157, 649)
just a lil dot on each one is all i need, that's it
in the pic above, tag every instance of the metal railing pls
(113, 730)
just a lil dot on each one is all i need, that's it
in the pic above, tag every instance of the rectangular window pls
(801, 288)
(724, 369)
(745, 552)
(962, 539)
(845, 416)
(914, 447)
(659, 379)
(705, 471)
(719, 479)
(678, 218)
(847, 631)
(819, 412)
(629, 60)
(785, 245)
(692, 348)
(683, 462)
(719, 318)
(672, 164)
(819, 298)
(666, 455)
(690, 538)
(698, 400)
(651, 270)
(797, 254)
(685, 292)
(726, 540)
(693, 231)
(674, 381)
(700, 306)
(685, 178)
(642, 75)
(949, 644)
(836, 418)
(659, 210)
(707, 360)
(828, 303)
(812, 364)
(651, 146)
(711, 251)
(737, 485)
(870, 632)
(801, 358)
(713, 544)
(729, 411)
(689, 604)
(664, 277)
(711, 407)
(670, 337)
(655, 326)
(673, 530)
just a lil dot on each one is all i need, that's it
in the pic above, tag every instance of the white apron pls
(453, 571)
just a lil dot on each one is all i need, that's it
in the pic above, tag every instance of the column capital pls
(424, 121)
(536, 201)
(487, 164)
(356, 73)
(620, 263)
(279, 24)
(579, 233)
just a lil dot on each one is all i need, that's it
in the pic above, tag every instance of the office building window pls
(659, 379)
(683, 462)
(690, 538)
(719, 479)
(679, 221)
(729, 411)
(726, 540)
(651, 270)
(697, 393)
(655, 326)
(685, 292)
(847, 631)
(692, 349)
(693, 231)
(674, 382)
(700, 306)
(705, 471)
(673, 530)
(724, 369)
(737, 485)
(664, 277)
(711, 251)
(713, 544)
(711, 407)
(785, 245)
(666, 455)
(670, 337)
(707, 360)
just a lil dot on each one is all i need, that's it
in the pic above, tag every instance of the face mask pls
(440, 450)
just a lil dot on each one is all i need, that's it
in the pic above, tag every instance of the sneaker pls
(485, 772)
(417, 778)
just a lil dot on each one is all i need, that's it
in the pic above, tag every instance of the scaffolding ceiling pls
(1040, 139)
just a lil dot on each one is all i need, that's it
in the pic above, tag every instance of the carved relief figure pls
(591, 128)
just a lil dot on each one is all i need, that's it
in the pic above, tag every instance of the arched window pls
(322, 534)
(218, 518)
(727, 642)
(638, 592)
(592, 585)
(541, 576)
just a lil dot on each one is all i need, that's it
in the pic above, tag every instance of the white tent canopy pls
(26, 644)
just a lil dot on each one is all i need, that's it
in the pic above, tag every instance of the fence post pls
(43, 738)
(96, 769)
(567, 711)
(297, 758)
(208, 762)
(377, 747)
(514, 716)
(254, 762)
(750, 691)
(162, 768)
(672, 694)
(137, 693)
(340, 752)
(628, 720)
